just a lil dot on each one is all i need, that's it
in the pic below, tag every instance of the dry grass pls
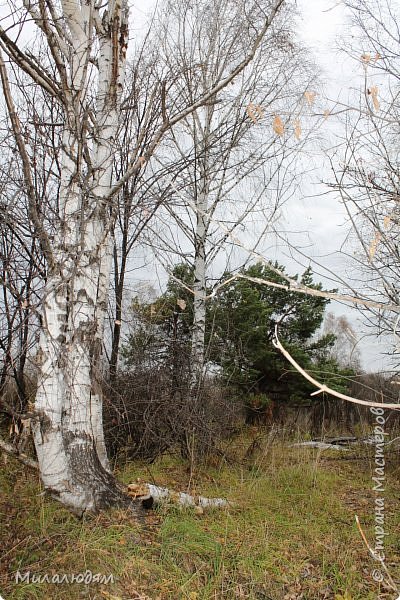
(290, 533)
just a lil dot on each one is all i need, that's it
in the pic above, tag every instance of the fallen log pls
(143, 491)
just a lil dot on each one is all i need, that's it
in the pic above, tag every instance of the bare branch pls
(322, 388)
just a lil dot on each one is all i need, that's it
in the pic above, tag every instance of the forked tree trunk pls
(69, 438)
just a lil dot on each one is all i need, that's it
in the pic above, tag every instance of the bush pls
(145, 416)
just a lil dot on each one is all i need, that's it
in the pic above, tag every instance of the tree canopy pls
(240, 326)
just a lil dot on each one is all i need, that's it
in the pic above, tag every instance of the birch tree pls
(367, 167)
(235, 166)
(78, 63)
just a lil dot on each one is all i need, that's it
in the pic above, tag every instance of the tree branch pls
(12, 451)
(322, 387)
(41, 233)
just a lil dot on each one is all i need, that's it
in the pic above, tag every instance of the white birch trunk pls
(199, 285)
(69, 439)
(199, 289)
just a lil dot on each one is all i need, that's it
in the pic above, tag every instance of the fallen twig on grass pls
(13, 451)
(320, 445)
(376, 556)
(162, 494)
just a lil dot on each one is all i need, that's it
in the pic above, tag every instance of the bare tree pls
(236, 167)
(78, 64)
(367, 166)
(344, 349)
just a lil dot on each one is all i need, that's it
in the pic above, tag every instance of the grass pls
(289, 534)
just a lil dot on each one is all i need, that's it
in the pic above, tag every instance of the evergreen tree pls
(245, 316)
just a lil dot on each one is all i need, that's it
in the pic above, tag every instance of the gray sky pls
(319, 221)
(316, 224)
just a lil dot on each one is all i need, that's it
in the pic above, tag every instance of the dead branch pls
(322, 388)
(12, 451)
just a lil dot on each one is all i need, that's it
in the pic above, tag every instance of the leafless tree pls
(77, 65)
(366, 167)
(344, 349)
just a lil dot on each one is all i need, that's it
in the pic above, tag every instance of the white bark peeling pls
(69, 439)
(162, 495)
(199, 285)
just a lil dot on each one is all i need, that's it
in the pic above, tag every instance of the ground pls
(289, 534)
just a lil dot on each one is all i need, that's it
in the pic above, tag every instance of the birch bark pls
(69, 438)
(199, 284)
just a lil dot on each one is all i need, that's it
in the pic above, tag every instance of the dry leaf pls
(366, 58)
(25, 303)
(374, 245)
(373, 91)
(297, 128)
(136, 490)
(255, 112)
(26, 424)
(152, 310)
(181, 303)
(327, 113)
(377, 56)
(310, 97)
(278, 126)
(386, 221)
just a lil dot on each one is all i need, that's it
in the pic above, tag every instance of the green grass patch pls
(288, 534)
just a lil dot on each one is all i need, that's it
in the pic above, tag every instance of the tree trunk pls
(199, 286)
(69, 437)
(199, 302)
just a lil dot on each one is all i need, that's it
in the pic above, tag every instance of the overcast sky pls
(319, 221)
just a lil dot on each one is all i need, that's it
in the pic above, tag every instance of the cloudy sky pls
(315, 223)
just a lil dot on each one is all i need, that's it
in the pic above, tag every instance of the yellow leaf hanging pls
(297, 128)
(374, 245)
(181, 303)
(278, 125)
(373, 92)
(255, 112)
(386, 221)
(310, 97)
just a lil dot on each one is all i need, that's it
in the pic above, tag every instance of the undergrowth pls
(289, 533)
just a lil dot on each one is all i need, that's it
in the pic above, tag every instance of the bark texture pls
(69, 436)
